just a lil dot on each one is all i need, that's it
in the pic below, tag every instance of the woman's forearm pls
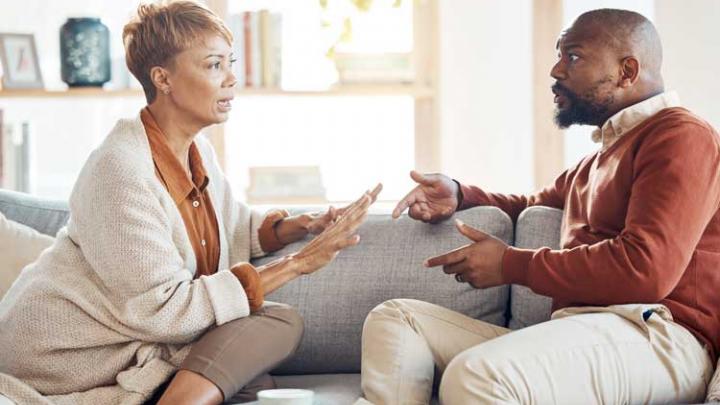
(278, 273)
(292, 229)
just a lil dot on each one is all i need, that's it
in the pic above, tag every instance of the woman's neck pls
(179, 133)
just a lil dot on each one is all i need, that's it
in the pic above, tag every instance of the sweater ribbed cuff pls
(267, 233)
(227, 296)
(515, 265)
(250, 280)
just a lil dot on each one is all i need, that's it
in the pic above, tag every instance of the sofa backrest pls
(536, 227)
(44, 215)
(387, 264)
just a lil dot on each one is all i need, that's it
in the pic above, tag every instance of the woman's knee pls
(289, 322)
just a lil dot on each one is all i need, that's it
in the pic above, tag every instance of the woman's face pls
(201, 81)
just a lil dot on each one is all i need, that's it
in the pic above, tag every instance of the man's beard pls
(580, 110)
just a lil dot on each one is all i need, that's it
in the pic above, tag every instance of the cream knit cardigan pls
(108, 313)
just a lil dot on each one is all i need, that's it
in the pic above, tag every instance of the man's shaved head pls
(608, 60)
(627, 33)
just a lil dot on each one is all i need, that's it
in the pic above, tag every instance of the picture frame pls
(20, 64)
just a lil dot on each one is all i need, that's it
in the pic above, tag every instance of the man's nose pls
(558, 71)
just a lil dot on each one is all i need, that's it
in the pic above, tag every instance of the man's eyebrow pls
(570, 46)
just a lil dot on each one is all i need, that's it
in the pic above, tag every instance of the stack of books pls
(257, 48)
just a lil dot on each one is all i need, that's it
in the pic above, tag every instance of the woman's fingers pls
(344, 223)
(347, 242)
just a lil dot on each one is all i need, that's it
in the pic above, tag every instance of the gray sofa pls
(387, 264)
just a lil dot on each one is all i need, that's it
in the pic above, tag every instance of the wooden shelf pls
(78, 92)
(415, 91)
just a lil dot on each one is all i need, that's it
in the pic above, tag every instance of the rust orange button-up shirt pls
(189, 191)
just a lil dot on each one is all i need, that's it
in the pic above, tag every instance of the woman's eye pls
(573, 57)
(232, 61)
(215, 65)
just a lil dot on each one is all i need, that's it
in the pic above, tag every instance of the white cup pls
(286, 396)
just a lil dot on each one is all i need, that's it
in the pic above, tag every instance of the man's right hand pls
(435, 198)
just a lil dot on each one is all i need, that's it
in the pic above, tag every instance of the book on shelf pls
(2, 148)
(289, 184)
(16, 156)
(236, 25)
(360, 68)
(257, 47)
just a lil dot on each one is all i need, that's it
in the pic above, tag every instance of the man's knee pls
(393, 309)
(472, 377)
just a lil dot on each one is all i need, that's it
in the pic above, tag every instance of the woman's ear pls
(629, 71)
(160, 78)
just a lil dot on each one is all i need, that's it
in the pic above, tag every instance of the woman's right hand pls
(337, 236)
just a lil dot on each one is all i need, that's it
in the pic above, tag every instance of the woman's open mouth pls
(225, 105)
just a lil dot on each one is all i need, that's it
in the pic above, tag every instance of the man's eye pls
(573, 57)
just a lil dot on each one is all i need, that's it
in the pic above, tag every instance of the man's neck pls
(631, 101)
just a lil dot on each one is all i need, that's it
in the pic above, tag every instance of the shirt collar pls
(628, 118)
(179, 184)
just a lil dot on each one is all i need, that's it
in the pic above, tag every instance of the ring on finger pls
(459, 278)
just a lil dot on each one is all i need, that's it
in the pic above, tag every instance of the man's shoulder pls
(677, 130)
(678, 117)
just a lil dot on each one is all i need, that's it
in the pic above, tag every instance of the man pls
(635, 285)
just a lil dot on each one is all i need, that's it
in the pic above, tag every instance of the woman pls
(147, 293)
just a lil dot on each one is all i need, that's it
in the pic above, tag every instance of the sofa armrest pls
(536, 227)
(388, 263)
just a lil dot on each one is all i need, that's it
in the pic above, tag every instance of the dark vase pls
(84, 52)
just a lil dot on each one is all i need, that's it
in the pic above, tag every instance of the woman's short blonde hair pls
(160, 31)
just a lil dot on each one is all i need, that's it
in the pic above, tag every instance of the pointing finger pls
(421, 178)
(471, 233)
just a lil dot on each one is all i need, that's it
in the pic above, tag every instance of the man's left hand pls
(479, 263)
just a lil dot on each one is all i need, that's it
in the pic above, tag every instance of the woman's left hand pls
(318, 221)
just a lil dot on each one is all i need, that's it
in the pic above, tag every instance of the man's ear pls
(160, 78)
(629, 71)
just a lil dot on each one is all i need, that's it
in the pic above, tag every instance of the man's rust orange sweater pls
(640, 225)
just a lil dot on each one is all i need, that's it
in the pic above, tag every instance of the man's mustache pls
(559, 89)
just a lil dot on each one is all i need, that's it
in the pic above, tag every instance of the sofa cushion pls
(536, 227)
(19, 246)
(45, 216)
(386, 264)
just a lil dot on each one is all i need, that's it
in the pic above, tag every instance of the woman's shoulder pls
(125, 148)
(123, 156)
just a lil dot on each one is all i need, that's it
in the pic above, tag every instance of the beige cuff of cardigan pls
(227, 296)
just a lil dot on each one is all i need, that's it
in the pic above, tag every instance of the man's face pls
(586, 77)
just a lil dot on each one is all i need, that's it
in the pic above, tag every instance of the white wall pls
(486, 93)
(690, 32)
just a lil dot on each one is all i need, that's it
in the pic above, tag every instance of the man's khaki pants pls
(623, 354)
